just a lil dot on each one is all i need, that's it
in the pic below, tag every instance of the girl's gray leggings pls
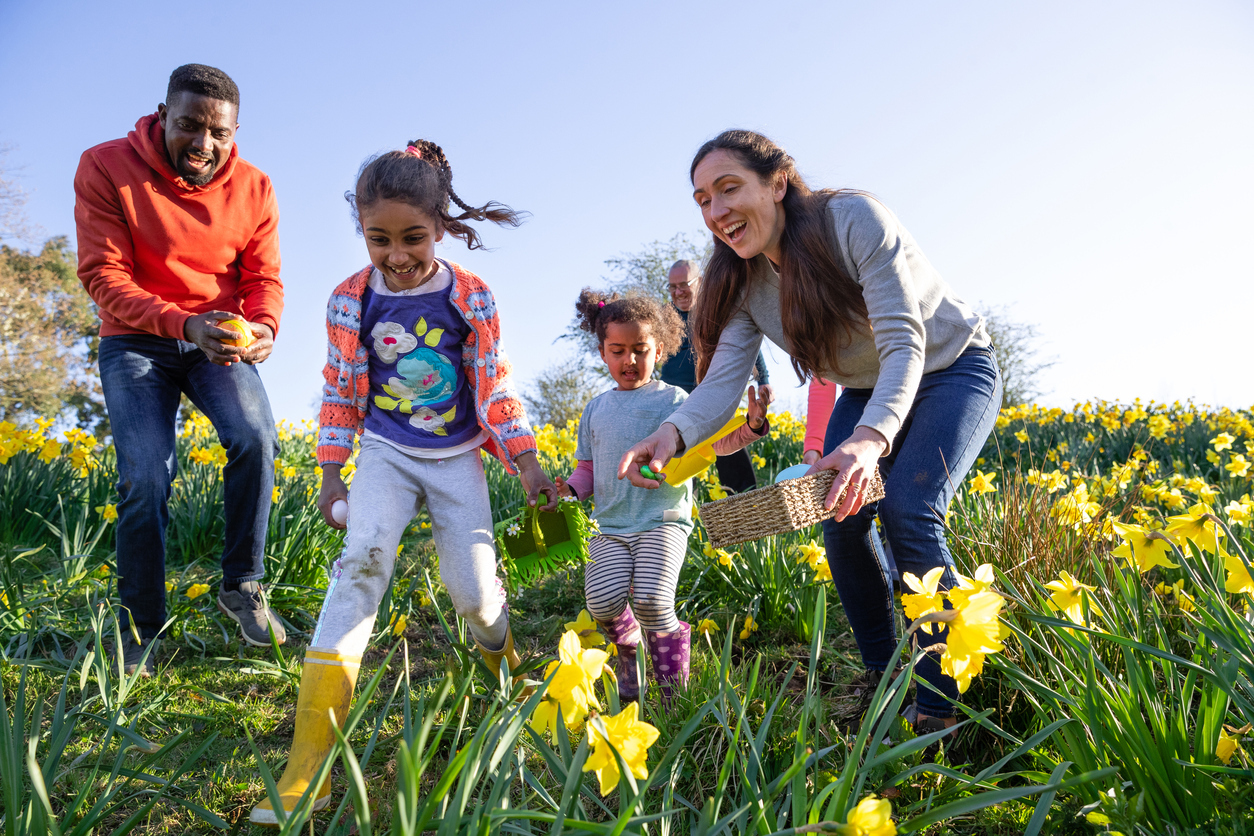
(388, 489)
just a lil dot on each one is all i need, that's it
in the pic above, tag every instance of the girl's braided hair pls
(597, 310)
(422, 177)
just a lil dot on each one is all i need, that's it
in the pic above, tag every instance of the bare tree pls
(1015, 345)
(13, 221)
(642, 273)
(561, 391)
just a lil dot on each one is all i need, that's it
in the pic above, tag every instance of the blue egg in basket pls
(794, 472)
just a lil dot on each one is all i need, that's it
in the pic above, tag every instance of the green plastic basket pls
(534, 543)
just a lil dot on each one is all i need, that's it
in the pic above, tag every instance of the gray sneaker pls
(249, 608)
(133, 655)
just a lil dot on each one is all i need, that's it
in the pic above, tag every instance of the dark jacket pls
(681, 369)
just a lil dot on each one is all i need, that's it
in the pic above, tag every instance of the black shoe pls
(133, 655)
(249, 608)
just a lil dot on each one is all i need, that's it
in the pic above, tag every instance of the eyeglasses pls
(675, 286)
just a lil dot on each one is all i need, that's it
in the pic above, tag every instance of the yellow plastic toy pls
(698, 458)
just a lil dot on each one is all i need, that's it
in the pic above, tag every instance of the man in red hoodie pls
(176, 234)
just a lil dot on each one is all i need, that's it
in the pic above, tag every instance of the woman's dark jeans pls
(953, 414)
(142, 377)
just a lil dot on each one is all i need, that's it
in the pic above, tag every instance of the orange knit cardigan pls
(346, 393)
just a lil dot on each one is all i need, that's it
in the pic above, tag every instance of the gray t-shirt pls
(918, 325)
(612, 422)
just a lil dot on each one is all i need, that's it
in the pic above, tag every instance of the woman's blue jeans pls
(953, 414)
(142, 377)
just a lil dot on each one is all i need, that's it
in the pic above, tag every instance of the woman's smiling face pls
(742, 211)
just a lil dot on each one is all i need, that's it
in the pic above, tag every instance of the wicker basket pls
(787, 506)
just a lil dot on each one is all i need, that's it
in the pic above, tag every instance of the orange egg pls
(245, 337)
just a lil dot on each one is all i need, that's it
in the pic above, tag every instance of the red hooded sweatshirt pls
(153, 250)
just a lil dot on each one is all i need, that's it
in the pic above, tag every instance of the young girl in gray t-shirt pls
(644, 533)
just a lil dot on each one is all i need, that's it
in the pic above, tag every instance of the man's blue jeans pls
(953, 414)
(142, 377)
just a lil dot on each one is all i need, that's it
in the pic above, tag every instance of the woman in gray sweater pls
(833, 279)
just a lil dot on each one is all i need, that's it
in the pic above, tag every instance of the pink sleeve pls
(741, 437)
(819, 405)
(581, 480)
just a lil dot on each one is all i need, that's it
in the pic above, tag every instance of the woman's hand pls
(854, 461)
(655, 451)
(333, 488)
(810, 457)
(535, 481)
(759, 403)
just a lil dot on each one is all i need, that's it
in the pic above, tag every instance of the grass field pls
(1105, 626)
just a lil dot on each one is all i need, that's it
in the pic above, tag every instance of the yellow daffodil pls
(707, 626)
(196, 590)
(982, 482)
(872, 817)
(108, 511)
(811, 553)
(1194, 526)
(274, 494)
(625, 733)
(823, 573)
(169, 586)
(570, 692)
(399, 623)
(586, 629)
(1227, 746)
(1067, 596)
(50, 450)
(1022, 436)
(926, 598)
(750, 626)
(1222, 442)
(1238, 466)
(717, 492)
(423, 600)
(975, 632)
(1238, 511)
(1139, 548)
(1230, 742)
(1239, 580)
(1159, 426)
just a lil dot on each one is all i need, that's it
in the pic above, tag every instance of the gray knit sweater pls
(918, 325)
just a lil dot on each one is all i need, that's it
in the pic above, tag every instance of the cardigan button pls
(481, 362)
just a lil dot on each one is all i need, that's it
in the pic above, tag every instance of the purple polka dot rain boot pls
(623, 631)
(670, 654)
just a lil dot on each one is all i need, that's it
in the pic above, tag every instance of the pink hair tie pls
(600, 304)
(413, 151)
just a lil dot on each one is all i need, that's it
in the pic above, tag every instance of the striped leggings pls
(644, 566)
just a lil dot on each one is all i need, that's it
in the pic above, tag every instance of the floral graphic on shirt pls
(424, 376)
(391, 339)
(426, 418)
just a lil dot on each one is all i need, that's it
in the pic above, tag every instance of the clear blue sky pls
(1087, 164)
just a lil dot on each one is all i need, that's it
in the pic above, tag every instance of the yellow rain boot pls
(509, 654)
(326, 682)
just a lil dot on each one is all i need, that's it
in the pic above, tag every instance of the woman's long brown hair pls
(820, 303)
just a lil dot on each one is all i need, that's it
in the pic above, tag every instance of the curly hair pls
(202, 80)
(422, 177)
(596, 311)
